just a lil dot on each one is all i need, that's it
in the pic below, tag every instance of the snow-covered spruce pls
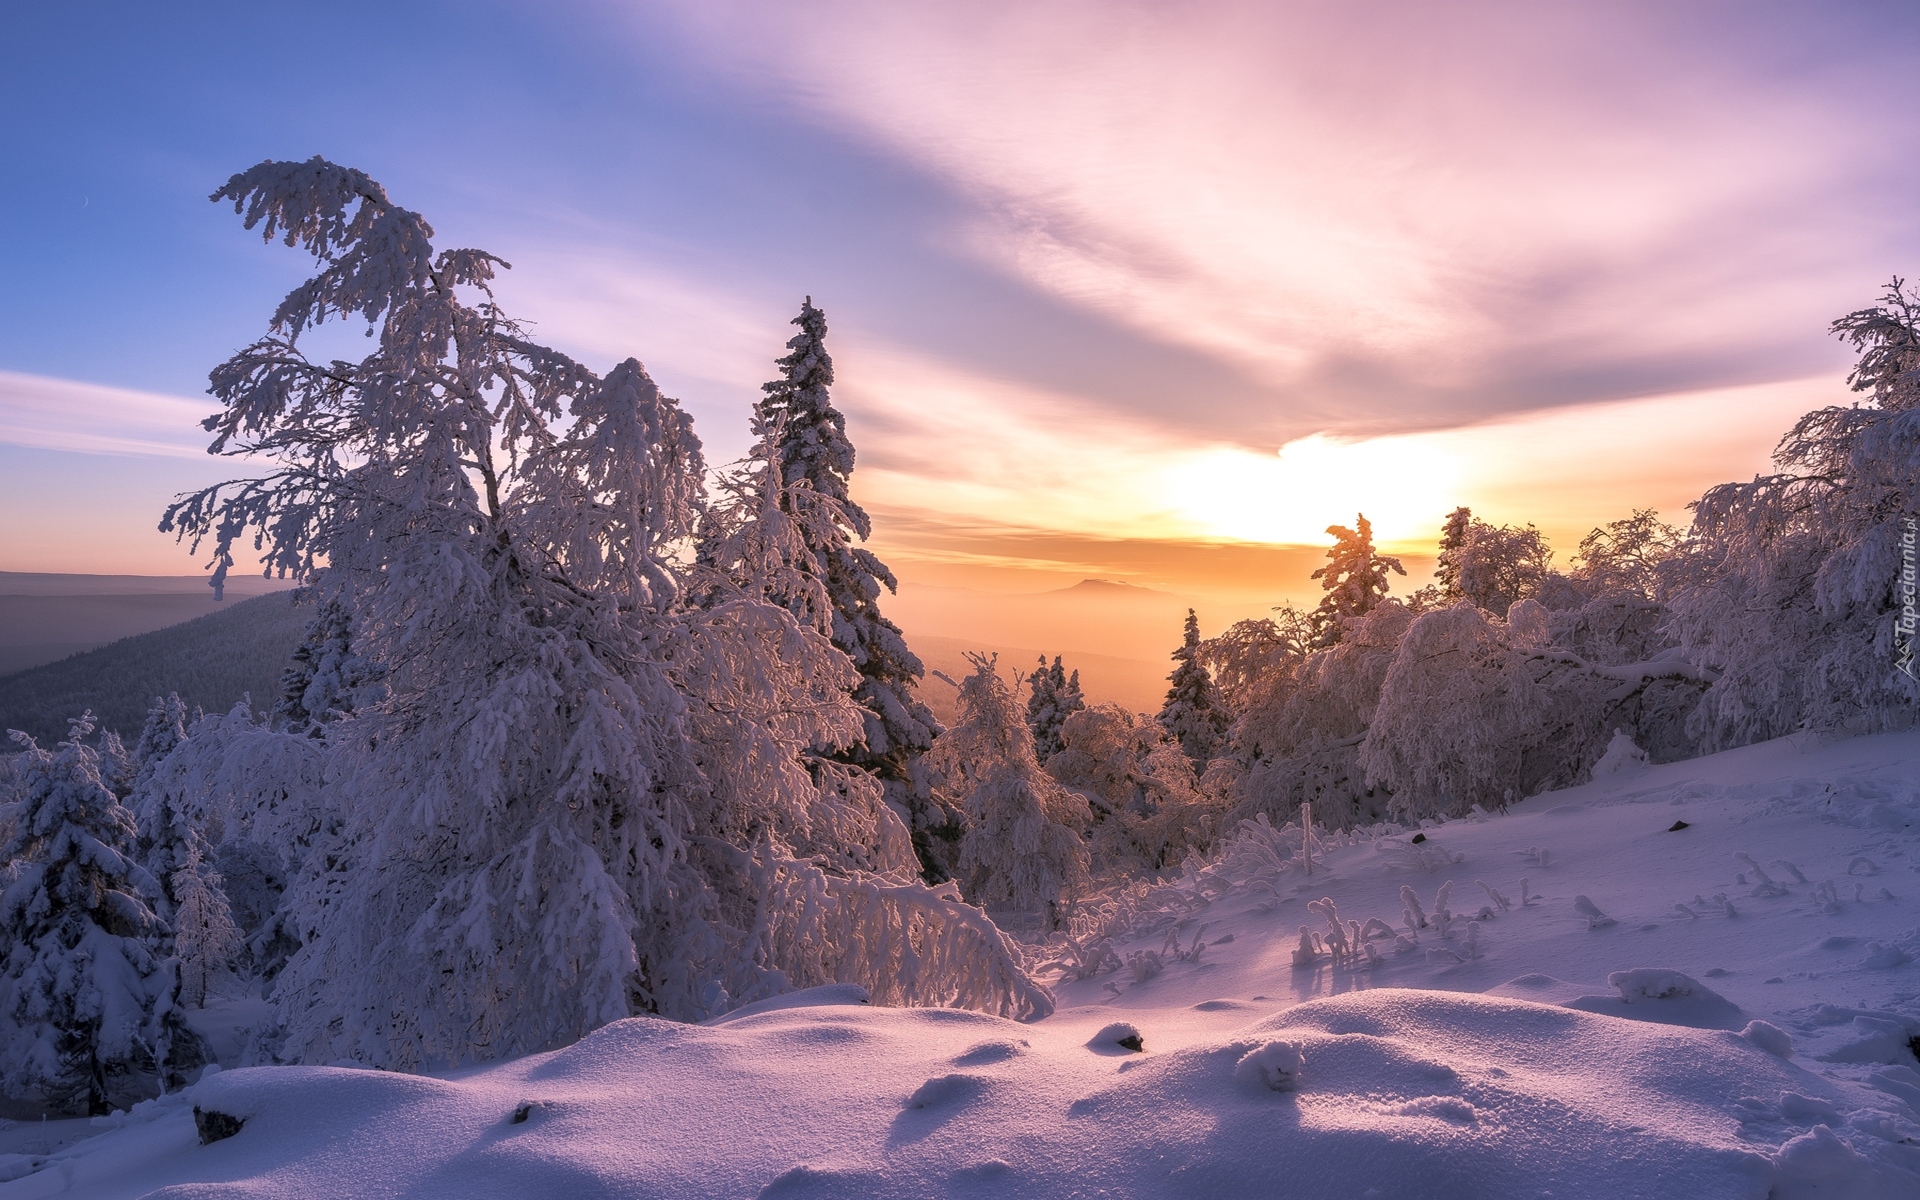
(92, 1017)
(599, 785)
(1193, 714)
(1053, 695)
(811, 446)
(1354, 581)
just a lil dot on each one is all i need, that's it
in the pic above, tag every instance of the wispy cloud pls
(41, 413)
(1398, 216)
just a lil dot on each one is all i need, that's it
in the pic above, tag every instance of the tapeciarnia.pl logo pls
(1906, 589)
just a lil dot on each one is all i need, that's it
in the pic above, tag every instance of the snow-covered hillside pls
(1755, 1041)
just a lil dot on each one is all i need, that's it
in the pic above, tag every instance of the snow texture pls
(1468, 1078)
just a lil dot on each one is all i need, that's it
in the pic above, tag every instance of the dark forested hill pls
(211, 661)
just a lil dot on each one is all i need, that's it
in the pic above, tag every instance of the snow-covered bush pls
(1480, 711)
(1149, 809)
(92, 1017)
(1788, 585)
(1022, 850)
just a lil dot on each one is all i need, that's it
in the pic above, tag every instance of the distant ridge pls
(211, 661)
(1109, 587)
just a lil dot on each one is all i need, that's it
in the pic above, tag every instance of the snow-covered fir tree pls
(206, 942)
(1453, 539)
(579, 797)
(1193, 714)
(1052, 696)
(813, 446)
(189, 894)
(1022, 850)
(326, 678)
(92, 1013)
(167, 836)
(1353, 582)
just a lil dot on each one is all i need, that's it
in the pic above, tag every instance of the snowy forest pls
(585, 727)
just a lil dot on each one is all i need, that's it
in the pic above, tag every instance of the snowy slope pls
(1517, 1072)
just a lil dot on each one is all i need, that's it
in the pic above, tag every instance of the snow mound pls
(1409, 1092)
(1667, 996)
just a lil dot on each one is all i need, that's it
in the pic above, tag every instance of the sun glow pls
(1400, 483)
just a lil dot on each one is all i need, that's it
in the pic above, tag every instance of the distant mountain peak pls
(1109, 587)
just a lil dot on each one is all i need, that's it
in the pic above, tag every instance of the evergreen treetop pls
(812, 447)
(1354, 580)
(1193, 714)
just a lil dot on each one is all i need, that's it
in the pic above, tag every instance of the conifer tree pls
(1453, 536)
(326, 676)
(205, 938)
(169, 839)
(189, 894)
(1193, 714)
(92, 1002)
(1354, 581)
(1053, 697)
(813, 446)
(1071, 698)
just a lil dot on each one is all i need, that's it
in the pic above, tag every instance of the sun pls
(1404, 485)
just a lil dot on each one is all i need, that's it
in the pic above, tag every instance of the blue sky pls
(1089, 268)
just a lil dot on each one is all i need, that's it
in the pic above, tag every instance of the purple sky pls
(1088, 266)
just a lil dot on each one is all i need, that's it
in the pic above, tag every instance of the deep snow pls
(1511, 1069)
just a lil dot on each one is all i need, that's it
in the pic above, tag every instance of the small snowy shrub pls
(1276, 1065)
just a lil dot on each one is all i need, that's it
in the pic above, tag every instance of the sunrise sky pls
(1153, 292)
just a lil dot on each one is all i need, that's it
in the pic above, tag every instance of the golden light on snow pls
(1400, 483)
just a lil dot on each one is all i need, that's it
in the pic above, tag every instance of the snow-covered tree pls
(1193, 714)
(1453, 539)
(206, 941)
(1476, 710)
(1022, 850)
(813, 447)
(1492, 565)
(168, 836)
(1789, 585)
(327, 677)
(1626, 555)
(1354, 581)
(164, 728)
(92, 1004)
(578, 797)
(1251, 656)
(1303, 731)
(1053, 695)
(1149, 809)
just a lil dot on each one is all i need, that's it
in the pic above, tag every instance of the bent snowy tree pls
(575, 794)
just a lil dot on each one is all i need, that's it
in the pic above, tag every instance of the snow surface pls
(1741, 1028)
